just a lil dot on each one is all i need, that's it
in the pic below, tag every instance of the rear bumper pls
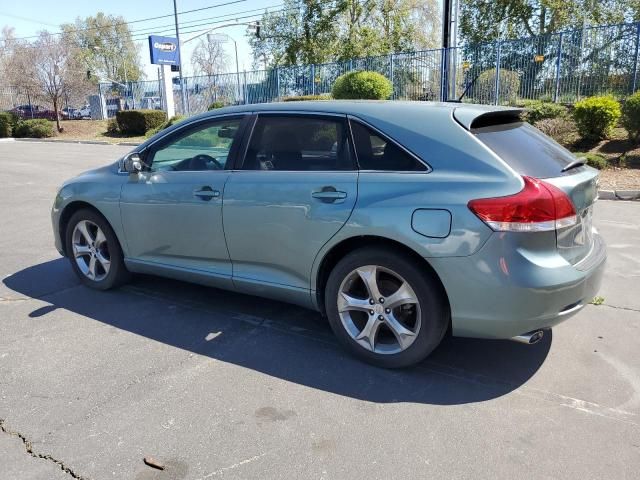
(502, 291)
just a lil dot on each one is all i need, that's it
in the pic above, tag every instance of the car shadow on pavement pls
(281, 340)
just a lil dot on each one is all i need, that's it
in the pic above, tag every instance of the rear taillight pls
(538, 207)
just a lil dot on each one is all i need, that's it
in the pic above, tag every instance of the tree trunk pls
(55, 109)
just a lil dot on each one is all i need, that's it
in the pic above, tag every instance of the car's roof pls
(352, 106)
(465, 113)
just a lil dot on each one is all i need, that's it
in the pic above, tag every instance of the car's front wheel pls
(385, 308)
(94, 251)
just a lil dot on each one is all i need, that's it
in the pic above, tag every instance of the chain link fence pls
(559, 67)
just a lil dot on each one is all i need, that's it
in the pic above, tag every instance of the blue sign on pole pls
(164, 50)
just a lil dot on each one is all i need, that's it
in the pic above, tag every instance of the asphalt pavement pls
(219, 385)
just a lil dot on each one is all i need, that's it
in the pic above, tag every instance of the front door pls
(172, 211)
(296, 188)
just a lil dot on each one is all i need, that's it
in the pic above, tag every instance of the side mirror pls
(132, 163)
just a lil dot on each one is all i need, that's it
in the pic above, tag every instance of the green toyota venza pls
(397, 220)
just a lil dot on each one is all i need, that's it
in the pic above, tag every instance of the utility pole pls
(182, 92)
(449, 44)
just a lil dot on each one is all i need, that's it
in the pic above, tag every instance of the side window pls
(206, 148)
(298, 143)
(377, 153)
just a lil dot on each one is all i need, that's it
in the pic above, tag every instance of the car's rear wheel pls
(94, 251)
(385, 308)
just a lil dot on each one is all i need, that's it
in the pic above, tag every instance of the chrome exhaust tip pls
(529, 338)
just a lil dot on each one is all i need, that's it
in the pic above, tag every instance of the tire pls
(421, 310)
(89, 251)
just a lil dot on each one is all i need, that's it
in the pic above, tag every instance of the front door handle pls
(329, 195)
(206, 193)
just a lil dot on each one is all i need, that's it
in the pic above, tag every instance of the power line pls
(232, 2)
(187, 24)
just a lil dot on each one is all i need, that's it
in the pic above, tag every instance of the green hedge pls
(362, 85)
(138, 122)
(537, 110)
(36, 128)
(216, 105)
(302, 98)
(167, 124)
(631, 116)
(595, 117)
(7, 121)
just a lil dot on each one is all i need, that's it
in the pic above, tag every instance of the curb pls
(76, 142)
(619, 194)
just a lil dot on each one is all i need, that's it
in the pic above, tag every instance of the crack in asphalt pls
(29, 448)
(629, 309)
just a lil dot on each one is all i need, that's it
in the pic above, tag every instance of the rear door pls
(529, 152)
(294, 190)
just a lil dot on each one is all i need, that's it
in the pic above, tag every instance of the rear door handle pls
(329, 195)
(206, 193)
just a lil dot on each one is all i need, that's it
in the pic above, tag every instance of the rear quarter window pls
(526, 149)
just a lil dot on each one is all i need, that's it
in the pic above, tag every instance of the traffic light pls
(175, 68)
(258, 29)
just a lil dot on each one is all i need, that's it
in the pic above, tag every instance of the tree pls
(312, 31)
(209, 57)
(49, 68)
(105, 47)
(487, 20)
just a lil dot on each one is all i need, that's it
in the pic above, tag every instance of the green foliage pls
(595, 117)
(36, 128)
(317, 31)
(594, 160)
(105, 47)
(631, 116)
(536, 110)
(302, 98)
(362, 85)
(138, 122)
(485, 86)
(167, 124)
(7, 121)
(216, 105)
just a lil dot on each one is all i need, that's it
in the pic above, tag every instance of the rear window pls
(527, 150)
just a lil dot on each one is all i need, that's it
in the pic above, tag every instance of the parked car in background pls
(84, 112)
(35, 111)
(398, 220)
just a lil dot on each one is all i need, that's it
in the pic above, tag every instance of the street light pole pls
(182, 92)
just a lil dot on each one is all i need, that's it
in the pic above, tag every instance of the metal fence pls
(559, 67)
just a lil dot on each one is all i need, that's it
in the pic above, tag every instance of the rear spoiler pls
(477, 116)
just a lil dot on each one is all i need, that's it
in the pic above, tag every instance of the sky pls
(28, 17)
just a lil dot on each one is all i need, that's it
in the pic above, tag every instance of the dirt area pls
(91, 130)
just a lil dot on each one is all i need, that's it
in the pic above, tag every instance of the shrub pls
(362, 85)
(138, 122)
(112, 126)
(302, 98)
(560, 129)
(595, 117)
(631, 116)
(594, 160)
(216, 105)
(36, 128)
(6, 123)
(167, 124)
(484, 89)
(536, 111)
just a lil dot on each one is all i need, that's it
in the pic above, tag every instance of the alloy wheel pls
(379, 309)
(91, 250)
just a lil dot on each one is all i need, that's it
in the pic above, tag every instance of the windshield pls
(526, 149)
